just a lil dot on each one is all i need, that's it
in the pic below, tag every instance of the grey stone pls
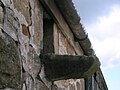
(72, 87)
(41, 86)
(36, 28)
(1, 14)
(23, 7)
(33, 62)
(10, 70)
(11, 23)
(62, 67)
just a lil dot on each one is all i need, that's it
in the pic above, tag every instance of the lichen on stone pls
(10, 70)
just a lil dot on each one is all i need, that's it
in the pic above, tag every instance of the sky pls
(101, 19)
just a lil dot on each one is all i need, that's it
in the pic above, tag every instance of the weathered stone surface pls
(41, 86)
(23, 21)
(70, 84)
(33, 62)
(7, 89)
(72, 87)
(11, 23)
(29, 83)
(66, 48)
(42, 75)
(56, 38)
(33, 84)
(61, 67)
(23, 7)
(63, 84)
(78, 85)
(62, 44)
(54, 87)
(1, 14)
(10, 70)
(36, 29)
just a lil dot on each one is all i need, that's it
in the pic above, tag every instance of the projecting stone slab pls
(61, 67)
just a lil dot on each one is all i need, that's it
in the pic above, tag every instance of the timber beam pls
(56, 15)
(62, 67)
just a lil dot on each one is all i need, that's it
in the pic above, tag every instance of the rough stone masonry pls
(21, 43)
(21, 36)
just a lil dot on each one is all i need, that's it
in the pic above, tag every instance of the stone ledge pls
(62, 67)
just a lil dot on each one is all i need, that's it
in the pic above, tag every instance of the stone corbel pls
(62, 67)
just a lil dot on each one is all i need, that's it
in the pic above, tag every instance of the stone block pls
(23, 6)
(11, 24)
(62, 67)
(1, 14)
(36, 28)
(33, 63)
(10, 69)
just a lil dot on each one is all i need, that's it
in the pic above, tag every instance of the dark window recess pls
(48, 38)
(88, 83)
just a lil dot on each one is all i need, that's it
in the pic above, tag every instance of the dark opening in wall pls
(48, 37)
(88, 83)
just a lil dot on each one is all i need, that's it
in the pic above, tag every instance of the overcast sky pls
(101, 19)
(91, 9)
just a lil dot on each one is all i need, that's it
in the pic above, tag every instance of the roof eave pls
(73, 20)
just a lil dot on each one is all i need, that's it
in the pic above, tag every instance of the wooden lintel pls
(53, 10)
(61, 67)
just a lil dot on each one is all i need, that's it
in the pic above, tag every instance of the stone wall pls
(21, 37)
(21, 43)
(65, 48)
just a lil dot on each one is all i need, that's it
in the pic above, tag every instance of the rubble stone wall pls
(65, 48)
(21, 43)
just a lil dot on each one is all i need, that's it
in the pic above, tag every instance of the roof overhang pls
(64, 11)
